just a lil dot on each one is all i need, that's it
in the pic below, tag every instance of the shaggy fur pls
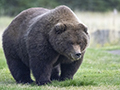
(50, 43)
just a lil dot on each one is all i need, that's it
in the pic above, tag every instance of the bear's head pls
(68, 36)
(69, 40)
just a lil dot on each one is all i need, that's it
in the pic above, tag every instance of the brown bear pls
(50, 43)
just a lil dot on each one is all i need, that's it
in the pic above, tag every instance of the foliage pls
(99, 70)
(92, 5)
(13, 7)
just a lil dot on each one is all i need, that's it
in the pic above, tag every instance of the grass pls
(99, 70)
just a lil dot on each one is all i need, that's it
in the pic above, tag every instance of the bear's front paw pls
(65, 78)
(43, 82)
(55, 78)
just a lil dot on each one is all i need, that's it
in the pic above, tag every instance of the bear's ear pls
(86, 30)
(83, 28)
(59, 28)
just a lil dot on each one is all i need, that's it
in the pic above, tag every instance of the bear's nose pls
(78, 55)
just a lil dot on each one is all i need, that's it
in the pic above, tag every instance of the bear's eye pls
(71, 43)
(79, 43)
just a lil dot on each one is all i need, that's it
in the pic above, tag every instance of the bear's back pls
(22, 21)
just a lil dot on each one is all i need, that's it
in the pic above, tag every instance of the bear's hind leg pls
(19, 70)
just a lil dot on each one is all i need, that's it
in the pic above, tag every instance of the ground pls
(116, 52)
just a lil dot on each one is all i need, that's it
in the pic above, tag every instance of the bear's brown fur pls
(46, 42)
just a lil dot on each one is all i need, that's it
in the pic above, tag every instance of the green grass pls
(99, 70)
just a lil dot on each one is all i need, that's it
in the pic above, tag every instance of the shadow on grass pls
(55, 83)
(72, 83)
(67, 83)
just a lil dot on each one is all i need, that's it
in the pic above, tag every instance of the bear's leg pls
(68, 70)
(42, 56)
(19, 70)
(41, 72)
(55, 73)
(42, 65)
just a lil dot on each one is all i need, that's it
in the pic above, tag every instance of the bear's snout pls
(76, 56)
(76, 52)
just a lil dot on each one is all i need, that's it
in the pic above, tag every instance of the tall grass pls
(96, 20)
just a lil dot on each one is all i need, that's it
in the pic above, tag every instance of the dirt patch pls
(116, 52)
